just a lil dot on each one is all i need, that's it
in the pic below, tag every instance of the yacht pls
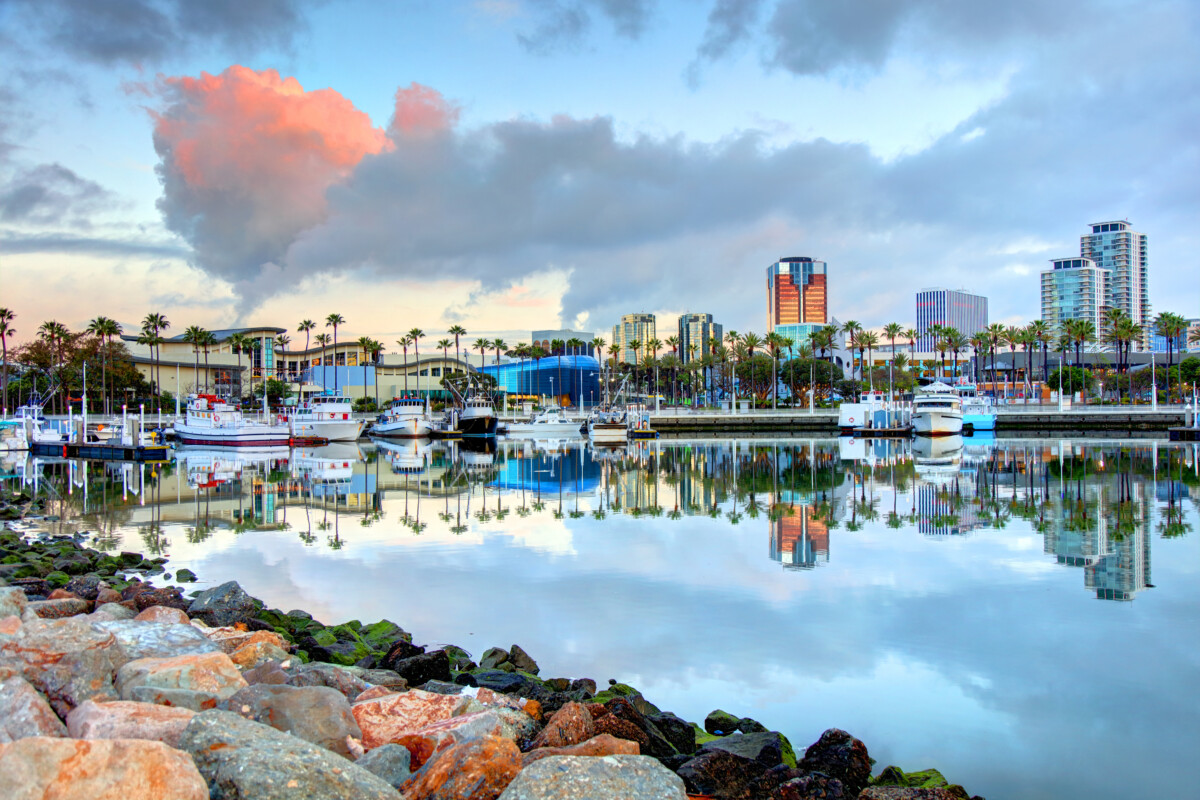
(549, 424)
(978, 412)
(212, 421)
(326, 416)
(477, 417)
(608, 427)
(405, 418)
(937, 410)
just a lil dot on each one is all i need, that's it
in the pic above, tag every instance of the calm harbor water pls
(1021, 614)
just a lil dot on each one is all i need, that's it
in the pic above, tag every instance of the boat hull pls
(249, 436)
(477, 426)
(979, 422)
(609, 433)
(937, 422)
(550, 430)
(414, 428)
(333, 430)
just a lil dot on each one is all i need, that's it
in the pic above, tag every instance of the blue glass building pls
(569, 378)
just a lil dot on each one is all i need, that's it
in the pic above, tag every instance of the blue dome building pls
(574, 380)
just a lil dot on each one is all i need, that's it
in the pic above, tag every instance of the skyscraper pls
(1074, 288)
(696, 329)
(639, 327)
(1115, 247)
(967, 313)
(797, 292)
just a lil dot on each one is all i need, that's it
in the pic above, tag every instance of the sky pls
(511, 165)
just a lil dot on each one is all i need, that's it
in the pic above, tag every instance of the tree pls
(153, 325)
(241, 343)
(1170, 326)
(956, 342)
(995, 332)
(322, 340)
(1012, 338)
(404, 341)
(209, 340)
(306, 327)
(870, 340)
(367, 343)
(979, 343)
(332, 321)
(598, 348)
(456, 331)
(6, 330)
(194, 335)
(893, 331)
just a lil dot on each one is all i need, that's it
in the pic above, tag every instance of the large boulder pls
(522, 660)
(383, 719)
(912, 793)
(602, 745)
(163, 614)
(25, 712)
(478, 769)
(721, 774)
(585, 778)
(197, 682)
(125, 720)
(67, 660)
(811, 786)
(60, 608)
(390, 762)
(243, 760)
(118, 769)
(418, 669)
(678, 732)
(142, 639)
(226, 604)
(314, 713)
(422, 744)
(769, 749)
(839, 755)
(342, 679)
(570, 725)
(12, 602)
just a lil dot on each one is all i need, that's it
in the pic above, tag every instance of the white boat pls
(326, 417)
(549, 424)
(608, 427)
(405, 418)
(407, 458)
(212, 421)
(208, 467)
(937, 410)
(476, 417)
(978, 412)
(862, 413)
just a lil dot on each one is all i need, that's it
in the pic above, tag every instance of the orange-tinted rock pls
(597, 710)
(120, 769)
(125, 720)
(10, 625)
(478, 769)
(385, 718)
(488, 697)
(24, 712)
(422, 744)
(163, 614)
(230, 639)
(622, 729)
(570, 725)
(374, 692)
(107, 595)
(252, 654)
(62, 594)
(192, 681)
(67, 660)
(60, 609)
(602, 745)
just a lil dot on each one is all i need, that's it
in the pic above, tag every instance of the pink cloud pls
(421, 110)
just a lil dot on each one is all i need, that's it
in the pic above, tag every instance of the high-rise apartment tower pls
(1074, 288)
(633, 327)
(1116, 247)
(797, 292)
(696, 329)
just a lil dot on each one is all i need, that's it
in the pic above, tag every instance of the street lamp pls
(552, 392)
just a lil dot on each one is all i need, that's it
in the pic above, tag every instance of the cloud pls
(14, 243)
(565, 22)
(246, 159)
(149, 31)
(51, 194)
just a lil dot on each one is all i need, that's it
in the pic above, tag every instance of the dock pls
(101, 451)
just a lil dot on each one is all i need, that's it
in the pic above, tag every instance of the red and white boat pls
(211, 420)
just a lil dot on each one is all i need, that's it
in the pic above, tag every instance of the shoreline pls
(724, 756)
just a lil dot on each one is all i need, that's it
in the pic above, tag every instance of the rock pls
(493, 657)
(340, 678)
(586, 684)
(380, 691)
(678, 732)
(399, 651)
(839, 755)
(721, 723)
(197, 682)
(439, 687)
(243, 760)
(156, 639)
(622, 729)
(25, 712)
(9, 625)
(477, 769)
(389, 762)
(910, 793)
(768, 749)
(67, 660)
(67, 769)
(511, 683)
(252, 654)
(32, 586)
(721, 774)
(223, 605)
(269, 672)
(811, 786)
(522, 660)
(424, 743)
(62, 594)
(570, 725)
(584, 778)
(417, 670)
(602, 745)
(185, 576)
(105, 594)
(149, 597)
(112, 612)
(60, 609)
(163, 614)
(314, 713)
(655, 743)
(380, 677)
(124, 720)
(384, 719)
(922, 779)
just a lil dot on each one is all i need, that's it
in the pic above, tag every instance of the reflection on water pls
(932, 596)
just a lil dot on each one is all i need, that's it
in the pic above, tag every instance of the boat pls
(326, 416)
(608, 427)
(978, 412)
(405, 418)
(937, 410)
(210, 420)
(476, 417)
(407, 458)
(862, 413)
(549, 424)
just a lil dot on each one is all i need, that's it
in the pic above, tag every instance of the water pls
(1020, 614)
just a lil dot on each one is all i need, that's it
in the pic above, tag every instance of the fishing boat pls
(978, 412)
(608, 427)
(210, 420)
(326, 416)
(476, 416)
(405, 418)
(549, 424)
(937, 410)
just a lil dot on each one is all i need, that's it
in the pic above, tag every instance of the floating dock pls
(101, 451)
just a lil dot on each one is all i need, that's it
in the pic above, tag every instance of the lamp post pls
(1153, 381)
(1060, 399)
(552, 392)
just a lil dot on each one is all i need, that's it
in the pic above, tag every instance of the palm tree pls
(445, 345)
(1170, 326)
(614, 352)
(635, 345)
(241, 343)
(979, 343)
(482, 345)
(456, 331)
(194, 335)
(995, 332)
(404, 342)
(332, 321)
(499, 346)
(1012, 337)
(366, 342)
(653, 346)
(100, 327)
(322, 341)
(956, 342)
(870, 340)
(209, 341)
(893, 331)
(306, 327)
(1128, 332)
(6, 330)
(1043, 334)
(598, 348)
(154, 324)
